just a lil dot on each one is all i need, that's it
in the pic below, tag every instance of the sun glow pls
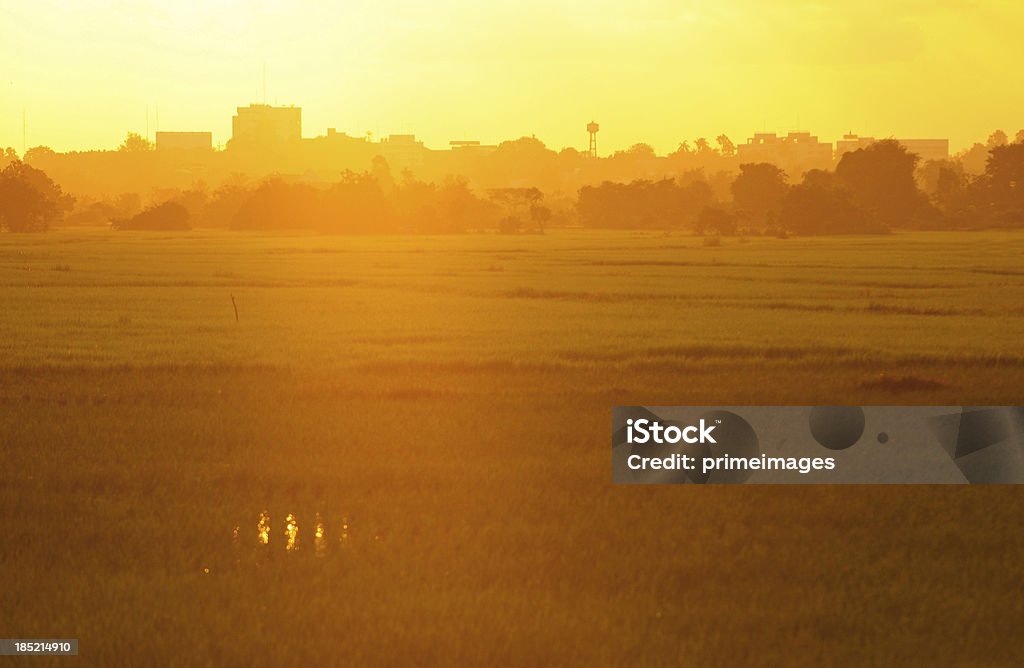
(658, 71)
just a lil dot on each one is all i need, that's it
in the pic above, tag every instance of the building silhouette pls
(471, 147)
(797, 152)
(402, 151)
(261, 125)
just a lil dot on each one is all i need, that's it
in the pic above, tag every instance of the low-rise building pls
(927, 149)
(796, 153)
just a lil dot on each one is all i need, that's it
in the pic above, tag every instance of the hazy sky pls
(648, 70)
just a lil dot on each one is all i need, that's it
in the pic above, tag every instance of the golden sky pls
(658, 71)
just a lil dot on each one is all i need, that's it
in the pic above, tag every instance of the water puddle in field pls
(317, 535)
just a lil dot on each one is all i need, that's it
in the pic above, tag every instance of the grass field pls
(443, 404)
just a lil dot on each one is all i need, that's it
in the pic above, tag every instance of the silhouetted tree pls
(822, 205)
(357, 204)
(642, 204)
(683, 149)
(29, 200)
(522, 162)
(973, 159)
(1005, 179)
(880, 179)
(694, 196)
(726, 147)
(758, 191)
(517, 204)
(224, 203)
(135, 143)
(540, 215)
(997, 138)
(39, 155)
(715, 220)
(951, 186)
(278, 204)
(460, 209)
(641, 150)
(927, 175)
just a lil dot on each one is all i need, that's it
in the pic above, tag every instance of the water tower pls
(592, 128)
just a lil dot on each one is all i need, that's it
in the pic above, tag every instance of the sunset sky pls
(648, 70)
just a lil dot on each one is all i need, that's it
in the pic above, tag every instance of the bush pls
(715, 220)
(163, 217)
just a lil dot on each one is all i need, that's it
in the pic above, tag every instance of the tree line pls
(370, 202)
(871, 190)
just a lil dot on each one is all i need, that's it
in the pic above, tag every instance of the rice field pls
(231, 449)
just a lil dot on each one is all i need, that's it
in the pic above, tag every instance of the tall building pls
(184, 141)
(261, 125)
(928, 149)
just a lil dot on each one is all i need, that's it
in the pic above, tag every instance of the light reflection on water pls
(263, 529)
(319, 542)
(291, 532)
(316, 537)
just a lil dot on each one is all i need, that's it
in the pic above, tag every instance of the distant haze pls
(657, 71)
